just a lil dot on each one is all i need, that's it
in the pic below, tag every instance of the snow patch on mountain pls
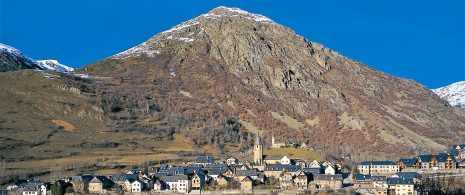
(454, 94)
(54, 65)
(256, 17)
(138, 50)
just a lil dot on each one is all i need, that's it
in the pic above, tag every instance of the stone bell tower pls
(258, 151)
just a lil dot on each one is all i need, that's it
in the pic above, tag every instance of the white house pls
(136, 186)
(178, 183)
(285, 160)
(43, 189)
(315, 164)
(378, 167)
(330, 170)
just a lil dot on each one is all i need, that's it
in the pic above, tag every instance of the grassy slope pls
(32, 140)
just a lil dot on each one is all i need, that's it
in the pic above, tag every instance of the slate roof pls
(215, 166)
(361, 177)
(274, 167)
(246, 173)
(400, 180)
(379, 178)
(190, 170)
(409, 175)
(217, 171)
(273, 157)
(442, 157)
(100, 178)
(165, 166)
(378, 163)
(292, 168)
(177, 171)
(118, 178)
(132, 176)
(196, 165)
(409, 162)
(329, 177)
(312, 171)
(205, 159)
(174, 178)
(31, 187)
(425, 157)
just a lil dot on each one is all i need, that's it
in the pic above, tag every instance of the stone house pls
(98, 184)
(273, 170)
(363, 181)
(286, 180)
(241, 174)
(198, 180)
(246, 184)
(301, 180)
(328, 181)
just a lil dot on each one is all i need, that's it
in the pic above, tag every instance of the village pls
(265, 174)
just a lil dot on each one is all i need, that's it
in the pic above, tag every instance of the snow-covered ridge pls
(54, 65)
(454, 94)
(50, 65)
(8, 48)
(251, 16)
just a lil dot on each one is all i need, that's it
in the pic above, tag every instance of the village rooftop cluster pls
(271, 172)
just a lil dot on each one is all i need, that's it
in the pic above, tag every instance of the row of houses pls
(198, 176)
(426, 162)
(402, 183)
(441, 161)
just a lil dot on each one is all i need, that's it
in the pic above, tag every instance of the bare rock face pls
(261, 67)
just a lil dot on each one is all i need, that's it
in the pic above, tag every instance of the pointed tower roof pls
(257, 139)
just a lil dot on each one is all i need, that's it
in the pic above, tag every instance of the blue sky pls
(415, 39)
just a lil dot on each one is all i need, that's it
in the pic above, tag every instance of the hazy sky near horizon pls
(413, 39)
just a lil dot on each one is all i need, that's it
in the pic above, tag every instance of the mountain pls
(12, 59)
(231, 67)
(454, 94)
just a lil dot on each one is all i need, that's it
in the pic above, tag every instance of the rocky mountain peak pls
(264, 69)
(236, 12)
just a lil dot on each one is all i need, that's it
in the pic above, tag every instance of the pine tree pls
(57, 189)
